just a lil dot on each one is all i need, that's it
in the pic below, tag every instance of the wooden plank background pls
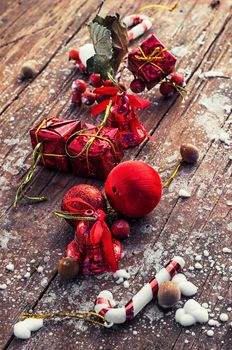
(199, 34)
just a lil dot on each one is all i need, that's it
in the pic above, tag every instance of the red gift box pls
(95, 156)
(151, 61)
(53, 133)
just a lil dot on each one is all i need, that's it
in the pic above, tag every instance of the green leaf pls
(98, 65)
(102, 40)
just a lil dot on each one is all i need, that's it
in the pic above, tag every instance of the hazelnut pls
(189, 153)
(168, 294)
(68, 268)
(28, 70)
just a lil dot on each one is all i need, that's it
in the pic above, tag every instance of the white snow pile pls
(191, 313)
(122, 276)
(23, 329)
(187, 288)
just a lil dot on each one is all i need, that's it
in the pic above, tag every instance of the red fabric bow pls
(99, 231)
(111, 91)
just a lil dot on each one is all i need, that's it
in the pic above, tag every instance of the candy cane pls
(141, 24)
(105, 302)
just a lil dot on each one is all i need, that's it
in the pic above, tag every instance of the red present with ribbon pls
(94, 151)
(151, 61)
(93, 246)
(49, 137)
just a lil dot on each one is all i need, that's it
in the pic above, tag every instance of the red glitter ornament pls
(90, 194)
(137, 86)
(133, 188)
(167, 89)
(120, 229)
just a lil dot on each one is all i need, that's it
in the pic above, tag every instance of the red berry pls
(137, 86)
(76, 98)
(167, 89)
(108, 83)
(177, 78)
(120, 229)
(79, 86)
(88, 98)
(95, 80)
(74, 55)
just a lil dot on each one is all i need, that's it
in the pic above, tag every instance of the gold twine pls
(78, 314)
(159, 6)
(173, 175)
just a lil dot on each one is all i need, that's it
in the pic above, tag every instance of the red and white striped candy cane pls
(141, 24)
(105, 302)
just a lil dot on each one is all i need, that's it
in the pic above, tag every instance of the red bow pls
(99, 231)
(111, 91)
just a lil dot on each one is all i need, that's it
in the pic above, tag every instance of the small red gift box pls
(151, 61)
(95, 156)
(52, 134)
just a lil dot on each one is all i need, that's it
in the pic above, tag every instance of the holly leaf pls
(102, 42)
(119, 36)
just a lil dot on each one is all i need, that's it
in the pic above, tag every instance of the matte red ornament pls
(133, 188)
(90, 194)
(120, 229)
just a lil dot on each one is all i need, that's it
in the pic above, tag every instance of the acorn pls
(189, 153)
(28, 70)
(68, 268)
(168, 294)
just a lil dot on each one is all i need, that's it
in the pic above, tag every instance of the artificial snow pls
(3, 286)
(10, 267)
(223, 317)
(187, 288)
(121, 276)
(210, 333)
(22, 329)
(191, 313)
(184, 193)
(226, 250)
(198, 266)
(40, 269)
(213, 323)
(213, 74)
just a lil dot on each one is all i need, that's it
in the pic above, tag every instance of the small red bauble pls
(76, 98)
(133, 188)
(88, 98)
(137, 86)
(90, 194)
(167, 89)
(79, 86)
(177, 78)
(120, 229)
(95, 80)
(74, 55)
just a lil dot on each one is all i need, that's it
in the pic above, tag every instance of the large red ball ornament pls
(133, 188)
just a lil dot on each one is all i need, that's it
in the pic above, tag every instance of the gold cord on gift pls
(159, 6)
(87, 146)
(82, 315)
(35, 160)
(156, 55)
(167, 183)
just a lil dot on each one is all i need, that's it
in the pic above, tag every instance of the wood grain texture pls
(32, 236)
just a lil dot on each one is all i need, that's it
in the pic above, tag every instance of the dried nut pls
(168, 294)
(68, 268)
(189, 153)
(28, 69)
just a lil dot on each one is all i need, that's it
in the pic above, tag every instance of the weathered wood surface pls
(177, 226)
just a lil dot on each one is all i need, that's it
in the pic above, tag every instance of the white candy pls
(226, 250)
(213, 323)
(178, 278)
(21, 331)
(85, 52)
(191, 313)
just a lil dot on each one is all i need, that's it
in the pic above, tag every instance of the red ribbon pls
(99, 231)
(110, 91)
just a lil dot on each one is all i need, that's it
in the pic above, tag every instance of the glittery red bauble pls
(90, 194)
(120, 229)
(133, 188)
